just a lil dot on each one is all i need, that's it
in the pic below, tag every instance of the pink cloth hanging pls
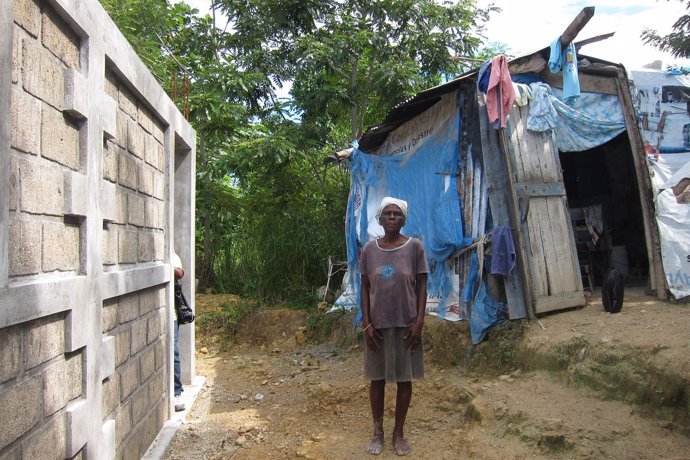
(500, 94)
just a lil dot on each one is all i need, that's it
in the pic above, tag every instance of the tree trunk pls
(206, 272)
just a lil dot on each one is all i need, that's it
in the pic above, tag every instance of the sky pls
(530, 25)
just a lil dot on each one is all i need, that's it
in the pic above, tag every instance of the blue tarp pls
(425, 176)
(486, 313)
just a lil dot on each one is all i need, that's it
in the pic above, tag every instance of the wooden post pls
(505, 212)
(651, 232)
(598, 38)
(576, 26)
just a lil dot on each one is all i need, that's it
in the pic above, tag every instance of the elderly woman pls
(394, 271)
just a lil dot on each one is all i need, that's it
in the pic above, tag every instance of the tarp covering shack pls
(564, 178)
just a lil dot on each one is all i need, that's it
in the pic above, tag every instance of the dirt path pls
(286, 401)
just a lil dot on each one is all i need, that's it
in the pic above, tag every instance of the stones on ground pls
(300, 338)
(478, 410)
(204, 350)
(310, 363)
(554, 442)
(318, 437)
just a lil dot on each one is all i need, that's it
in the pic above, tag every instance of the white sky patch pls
(529, 25)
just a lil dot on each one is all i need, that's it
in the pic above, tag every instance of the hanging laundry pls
(542, 115)
(483, 76)
(500, 94)
(565, 60)
(523, 94)
(502, 251)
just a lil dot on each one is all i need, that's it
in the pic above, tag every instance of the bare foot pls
(401, 446)
(376, 445)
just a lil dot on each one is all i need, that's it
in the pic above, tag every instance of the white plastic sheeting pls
(664, 112)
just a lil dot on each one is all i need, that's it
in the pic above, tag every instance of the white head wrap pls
(402, 204)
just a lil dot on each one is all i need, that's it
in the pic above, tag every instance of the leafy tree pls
(269, 213)
(194, 61)
(677, 42)
(351, 61)
(143, 22)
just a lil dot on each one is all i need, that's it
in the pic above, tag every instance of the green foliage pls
(336, 326)
(497, 354)
(269, 213)
(351, 61)
(292, 233)
(677, 42)
(143, 23)
(221, 319)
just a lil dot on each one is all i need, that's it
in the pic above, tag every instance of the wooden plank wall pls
(554, 278)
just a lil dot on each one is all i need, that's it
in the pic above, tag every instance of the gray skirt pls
(394, 362)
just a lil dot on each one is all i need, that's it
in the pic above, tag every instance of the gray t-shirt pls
(392, 274)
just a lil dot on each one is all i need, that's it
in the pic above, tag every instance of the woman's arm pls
(371, 335)
(414, 334)
(420, 282)
(364, 300)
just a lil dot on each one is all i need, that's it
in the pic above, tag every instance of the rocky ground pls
(274, 395)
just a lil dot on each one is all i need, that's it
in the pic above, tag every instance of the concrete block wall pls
(97, 190)
(136, 395)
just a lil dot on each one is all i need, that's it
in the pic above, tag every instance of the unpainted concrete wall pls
(96, 192)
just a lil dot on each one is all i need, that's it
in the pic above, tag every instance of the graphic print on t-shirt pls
(387, 271)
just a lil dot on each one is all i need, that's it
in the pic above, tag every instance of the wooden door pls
(544, 219)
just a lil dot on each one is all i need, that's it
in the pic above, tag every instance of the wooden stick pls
(576, 26)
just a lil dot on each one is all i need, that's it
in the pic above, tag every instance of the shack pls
(569, 181)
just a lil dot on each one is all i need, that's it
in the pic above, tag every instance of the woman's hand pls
(414, 336)
(373, 338)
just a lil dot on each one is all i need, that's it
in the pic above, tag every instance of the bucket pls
(619, 259)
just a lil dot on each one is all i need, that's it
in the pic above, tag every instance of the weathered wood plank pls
(537, 258)
(535, 144)
(589, 41)
(514, 134)
(550, 164)
(559, 302)
(552, 241)
(576, 26)
(529, 158)
(651, 233)
(497, 176)
(551, 258)
(588, 83)
(543, 189)
(564, 262)
(526, 154)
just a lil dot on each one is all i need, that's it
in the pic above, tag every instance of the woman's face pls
(392, 219)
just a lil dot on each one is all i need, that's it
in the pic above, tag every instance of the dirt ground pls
(271, 397)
